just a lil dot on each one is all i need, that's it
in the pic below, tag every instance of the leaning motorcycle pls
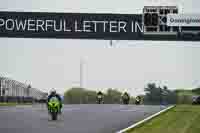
(137, 101)
(54, 107)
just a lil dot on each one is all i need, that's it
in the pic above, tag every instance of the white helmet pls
(52, 91)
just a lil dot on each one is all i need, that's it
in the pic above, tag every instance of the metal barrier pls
(17, 99)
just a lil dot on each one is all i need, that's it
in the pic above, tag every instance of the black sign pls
(69, 25)
(80, 26)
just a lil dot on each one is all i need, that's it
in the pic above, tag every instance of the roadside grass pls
(180, 119)
(14, 104)
(186, 92)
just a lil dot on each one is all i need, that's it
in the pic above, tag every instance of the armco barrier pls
(18, 99)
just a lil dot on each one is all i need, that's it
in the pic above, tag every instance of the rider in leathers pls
(54, 94)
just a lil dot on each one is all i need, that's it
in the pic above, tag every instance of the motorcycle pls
(54, 107)
(99, 99)
(137, 101)
(125, 99)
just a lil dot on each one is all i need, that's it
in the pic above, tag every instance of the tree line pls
(154, 94)
(159, 95)
(85, 96)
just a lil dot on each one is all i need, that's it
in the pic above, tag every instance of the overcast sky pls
(129, 65)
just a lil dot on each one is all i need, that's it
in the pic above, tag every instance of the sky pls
(127, 66)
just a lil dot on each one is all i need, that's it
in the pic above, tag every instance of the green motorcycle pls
(54, 107)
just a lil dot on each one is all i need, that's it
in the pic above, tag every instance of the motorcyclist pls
(125, 98)
(53, 93)
(137, 100)
(99, 97)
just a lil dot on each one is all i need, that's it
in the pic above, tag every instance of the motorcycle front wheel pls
(54, 115)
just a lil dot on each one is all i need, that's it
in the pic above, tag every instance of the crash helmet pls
(52, 91)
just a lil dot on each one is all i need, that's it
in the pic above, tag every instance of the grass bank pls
(14, 104)
(181, 119)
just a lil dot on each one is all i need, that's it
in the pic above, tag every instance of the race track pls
(103, 118)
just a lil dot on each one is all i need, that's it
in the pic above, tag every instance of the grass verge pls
(14, 104)
(181, 119)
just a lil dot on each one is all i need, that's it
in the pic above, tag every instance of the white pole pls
(1, 87)
(111, 43)
(81, 73)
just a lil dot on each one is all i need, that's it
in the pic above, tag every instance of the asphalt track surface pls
(74, 119)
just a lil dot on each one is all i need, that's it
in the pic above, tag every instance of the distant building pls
(10, 87)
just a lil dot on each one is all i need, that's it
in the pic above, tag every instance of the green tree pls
(196, 90)
(113, 96)
(158, 95)
(132, 100)
(90, 97)
(79, 96)
(153, 94)
(169, 96)
(74, 96)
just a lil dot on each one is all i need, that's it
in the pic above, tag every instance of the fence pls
(17, 99)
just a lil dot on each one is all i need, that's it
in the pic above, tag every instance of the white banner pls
(183, 20)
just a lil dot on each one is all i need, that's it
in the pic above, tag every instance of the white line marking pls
(129, 110)
(4, 109)
(146, 119)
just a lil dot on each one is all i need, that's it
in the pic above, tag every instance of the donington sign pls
(86, 26)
